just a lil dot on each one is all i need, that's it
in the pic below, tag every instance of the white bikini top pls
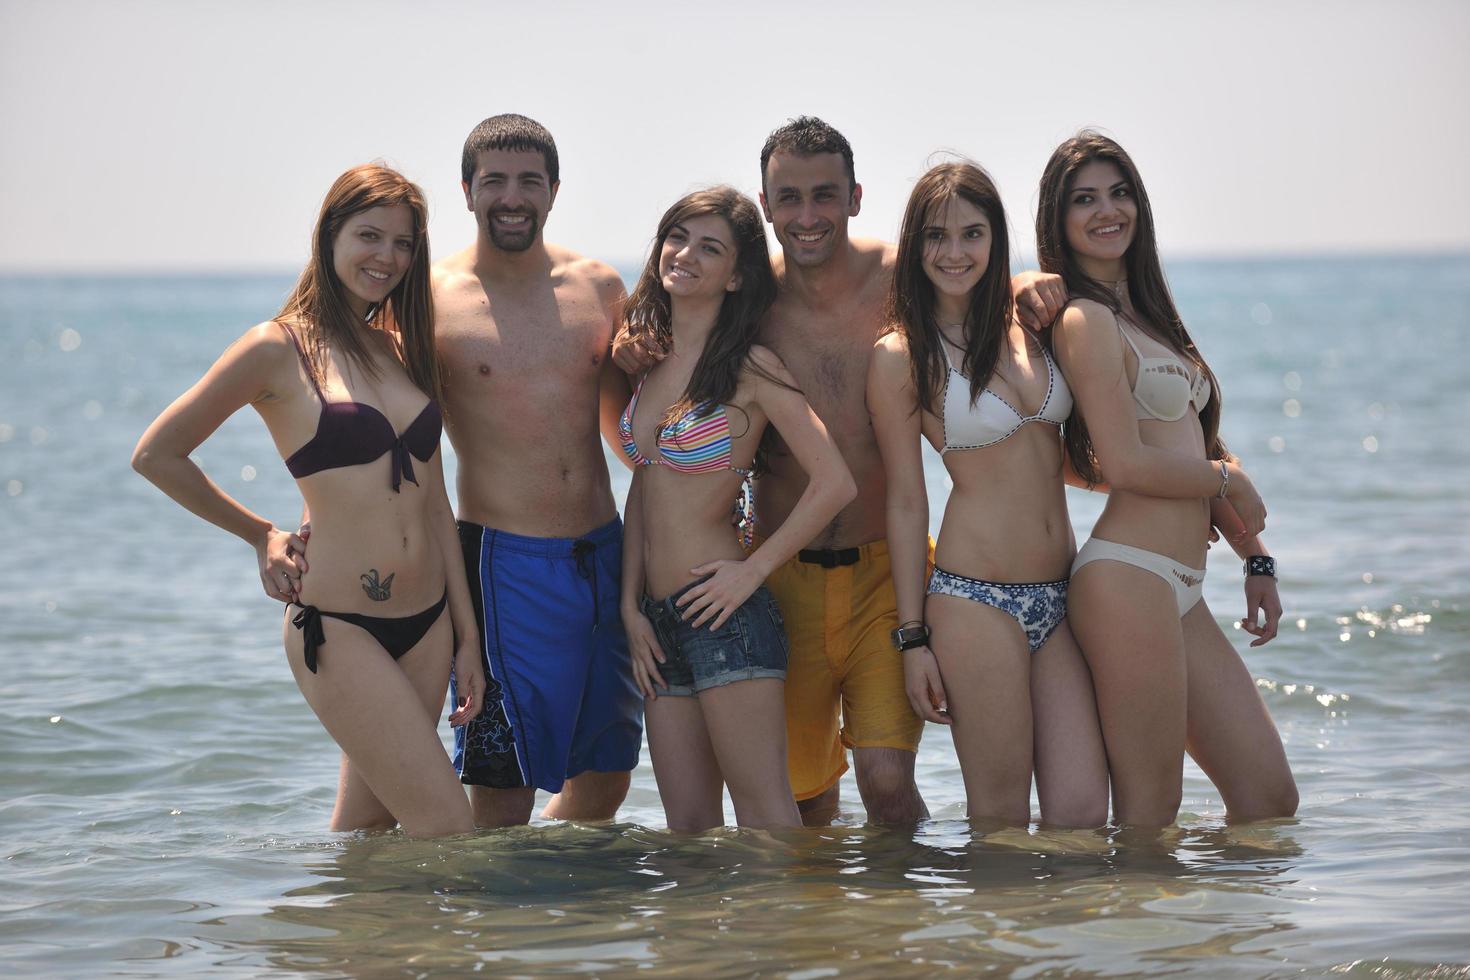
(992, 419)
(1165, 387)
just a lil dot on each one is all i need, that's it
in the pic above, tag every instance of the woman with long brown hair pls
(345, 379)
(708, 644)
(987, 650)
(1146, 421)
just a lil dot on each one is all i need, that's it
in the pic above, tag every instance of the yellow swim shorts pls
(838, 620)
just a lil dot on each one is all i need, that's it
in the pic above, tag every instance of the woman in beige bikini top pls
(1145, 423)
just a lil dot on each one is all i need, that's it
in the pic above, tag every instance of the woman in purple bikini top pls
(346, 381)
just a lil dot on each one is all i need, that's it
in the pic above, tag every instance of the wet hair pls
(319, 303)
(808, 136)
(509, 131)
(1148, 290)
(648, 311)
(911, 299)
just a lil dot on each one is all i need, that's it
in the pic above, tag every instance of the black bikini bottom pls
(397, 636)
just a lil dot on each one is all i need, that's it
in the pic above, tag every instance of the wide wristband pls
(908, 637)
(1260, 565)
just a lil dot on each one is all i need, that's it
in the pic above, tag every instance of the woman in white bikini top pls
(985, 644)
(1146, 422)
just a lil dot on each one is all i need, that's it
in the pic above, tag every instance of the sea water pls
(165, 792)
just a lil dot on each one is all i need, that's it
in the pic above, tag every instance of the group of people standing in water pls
(770, 598)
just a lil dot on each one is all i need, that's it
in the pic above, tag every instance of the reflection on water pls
(597, 900)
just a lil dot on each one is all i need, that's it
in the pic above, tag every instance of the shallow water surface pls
(164, 790)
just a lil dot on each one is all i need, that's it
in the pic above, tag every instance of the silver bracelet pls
(1224, 480)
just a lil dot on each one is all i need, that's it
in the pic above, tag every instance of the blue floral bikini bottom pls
(1038, 606)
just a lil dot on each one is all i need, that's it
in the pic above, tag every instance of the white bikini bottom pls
(1188, 582)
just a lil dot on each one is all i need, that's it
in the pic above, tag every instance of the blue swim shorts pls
(560, 697)
(749, 644)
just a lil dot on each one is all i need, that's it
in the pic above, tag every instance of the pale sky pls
(158, 136)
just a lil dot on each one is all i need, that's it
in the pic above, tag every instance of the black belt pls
(830, 557)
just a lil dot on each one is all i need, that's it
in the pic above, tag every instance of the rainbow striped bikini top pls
(698, 442)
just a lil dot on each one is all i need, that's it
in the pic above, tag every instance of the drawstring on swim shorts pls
(582, 550)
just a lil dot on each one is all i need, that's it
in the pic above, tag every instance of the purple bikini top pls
(354, 433)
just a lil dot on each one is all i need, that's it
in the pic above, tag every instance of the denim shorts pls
(750, 644)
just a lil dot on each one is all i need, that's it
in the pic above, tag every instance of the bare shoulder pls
(609, 284)
(1086, 315)
(892, 343)
(266, 354)
(886, 252)
(890, 367)
(454, 270)
(575, 269)
(572, 265)
(768, 362)
(1086, 336)
(876, 256)
(268, 340)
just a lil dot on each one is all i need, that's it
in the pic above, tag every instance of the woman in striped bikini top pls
(698, 441)
(699, 621)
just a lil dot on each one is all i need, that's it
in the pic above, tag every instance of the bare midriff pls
(530, 454)
(362, 532)
(686, 521)
(1006, 518)
(1179, 527)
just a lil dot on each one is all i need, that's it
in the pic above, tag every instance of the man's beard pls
(513, 240)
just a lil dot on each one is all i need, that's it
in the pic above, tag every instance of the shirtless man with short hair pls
(837, 594)
(523, 330)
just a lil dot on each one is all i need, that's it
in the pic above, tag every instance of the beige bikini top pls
(1165, 387)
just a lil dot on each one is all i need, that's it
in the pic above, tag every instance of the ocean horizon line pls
(632, 265)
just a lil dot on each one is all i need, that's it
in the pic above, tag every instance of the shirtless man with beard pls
(523, 330)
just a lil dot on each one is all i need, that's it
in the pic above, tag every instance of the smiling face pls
(1101, 218)
(371, 253)
(957, 244)
(698, 257)
(807, 200)
(510, 196)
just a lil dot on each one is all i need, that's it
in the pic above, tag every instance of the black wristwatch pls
(1260, 565)
(908, 637)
